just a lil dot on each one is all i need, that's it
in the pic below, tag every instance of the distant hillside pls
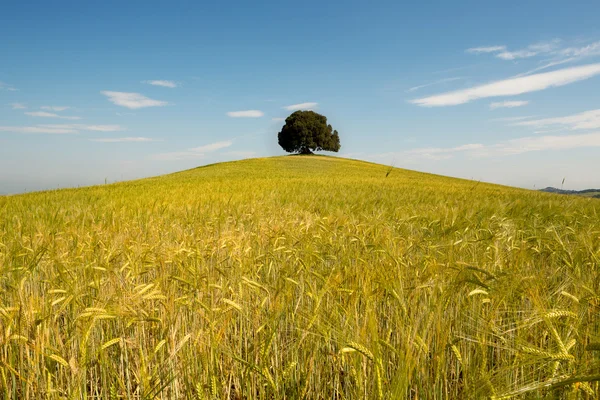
(595, 193)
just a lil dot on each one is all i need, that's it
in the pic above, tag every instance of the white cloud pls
(37, 129)
(508, 104)
(592, 49)
(512, 119)
(301, 106)
(513, 55)
(195, 152)
(486, 49)
(501, 149)
(549, 65)
(95, 128)
(531, 50)
(560, 55)
(41, 114)
(208, 148)
(103, 128)
(440, 153)
(18, 106)
(54, 108)
(545, 47)
(540, 143)
(132, 100)
(246, 114)
(169, 84)
(585, 120)
(45, 114)
(412, 89)
(568, 55)
(6, 86)
(125, 139)
(504, 148)
(544, 131)
(512, 86)
(60, 128)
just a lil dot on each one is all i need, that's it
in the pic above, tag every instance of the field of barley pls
(299, 277)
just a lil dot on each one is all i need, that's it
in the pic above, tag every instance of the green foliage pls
(299, 278)
(307, 131)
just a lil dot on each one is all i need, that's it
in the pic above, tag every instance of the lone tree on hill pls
(307, 131)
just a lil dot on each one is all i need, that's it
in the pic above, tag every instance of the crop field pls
(299, 277)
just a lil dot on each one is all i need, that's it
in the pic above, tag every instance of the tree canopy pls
(307, 131)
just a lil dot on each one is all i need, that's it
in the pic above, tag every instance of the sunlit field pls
(299, 277)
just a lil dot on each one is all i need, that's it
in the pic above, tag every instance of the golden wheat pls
(298, 278)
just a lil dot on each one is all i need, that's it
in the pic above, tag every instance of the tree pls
(307, 131)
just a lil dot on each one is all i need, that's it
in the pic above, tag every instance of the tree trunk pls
(305, 150)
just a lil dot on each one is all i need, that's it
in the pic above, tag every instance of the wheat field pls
(303, 277)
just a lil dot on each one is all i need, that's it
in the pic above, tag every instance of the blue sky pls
(506, 92)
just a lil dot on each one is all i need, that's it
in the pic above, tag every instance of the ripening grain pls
(298, 278)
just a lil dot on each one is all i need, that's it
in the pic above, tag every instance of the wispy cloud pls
(554, 50)
(45, 114)
(195, 152)
(61, 128)
(18, 106)
(278, 119)
(512, 86)
(125, 139)
(585, 120)
(513, 55)
(529, 51)
(485, 49)
(549, 64)
(301, 106)
(163, 83)
(55, 108)
(540, 143)
(246, 114)
(504, 148)
(545, 131)
(508, 104)
(512, 119)
(592, 49)
(132, 100)
(41, 114)
(102, 128)
(94, 128)
(440, 153)
(567, 55)
(6, 86)
(412, 89)
(38, 129)
(208, 148)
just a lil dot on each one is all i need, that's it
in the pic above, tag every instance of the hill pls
(298, 277)
(595, 193)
